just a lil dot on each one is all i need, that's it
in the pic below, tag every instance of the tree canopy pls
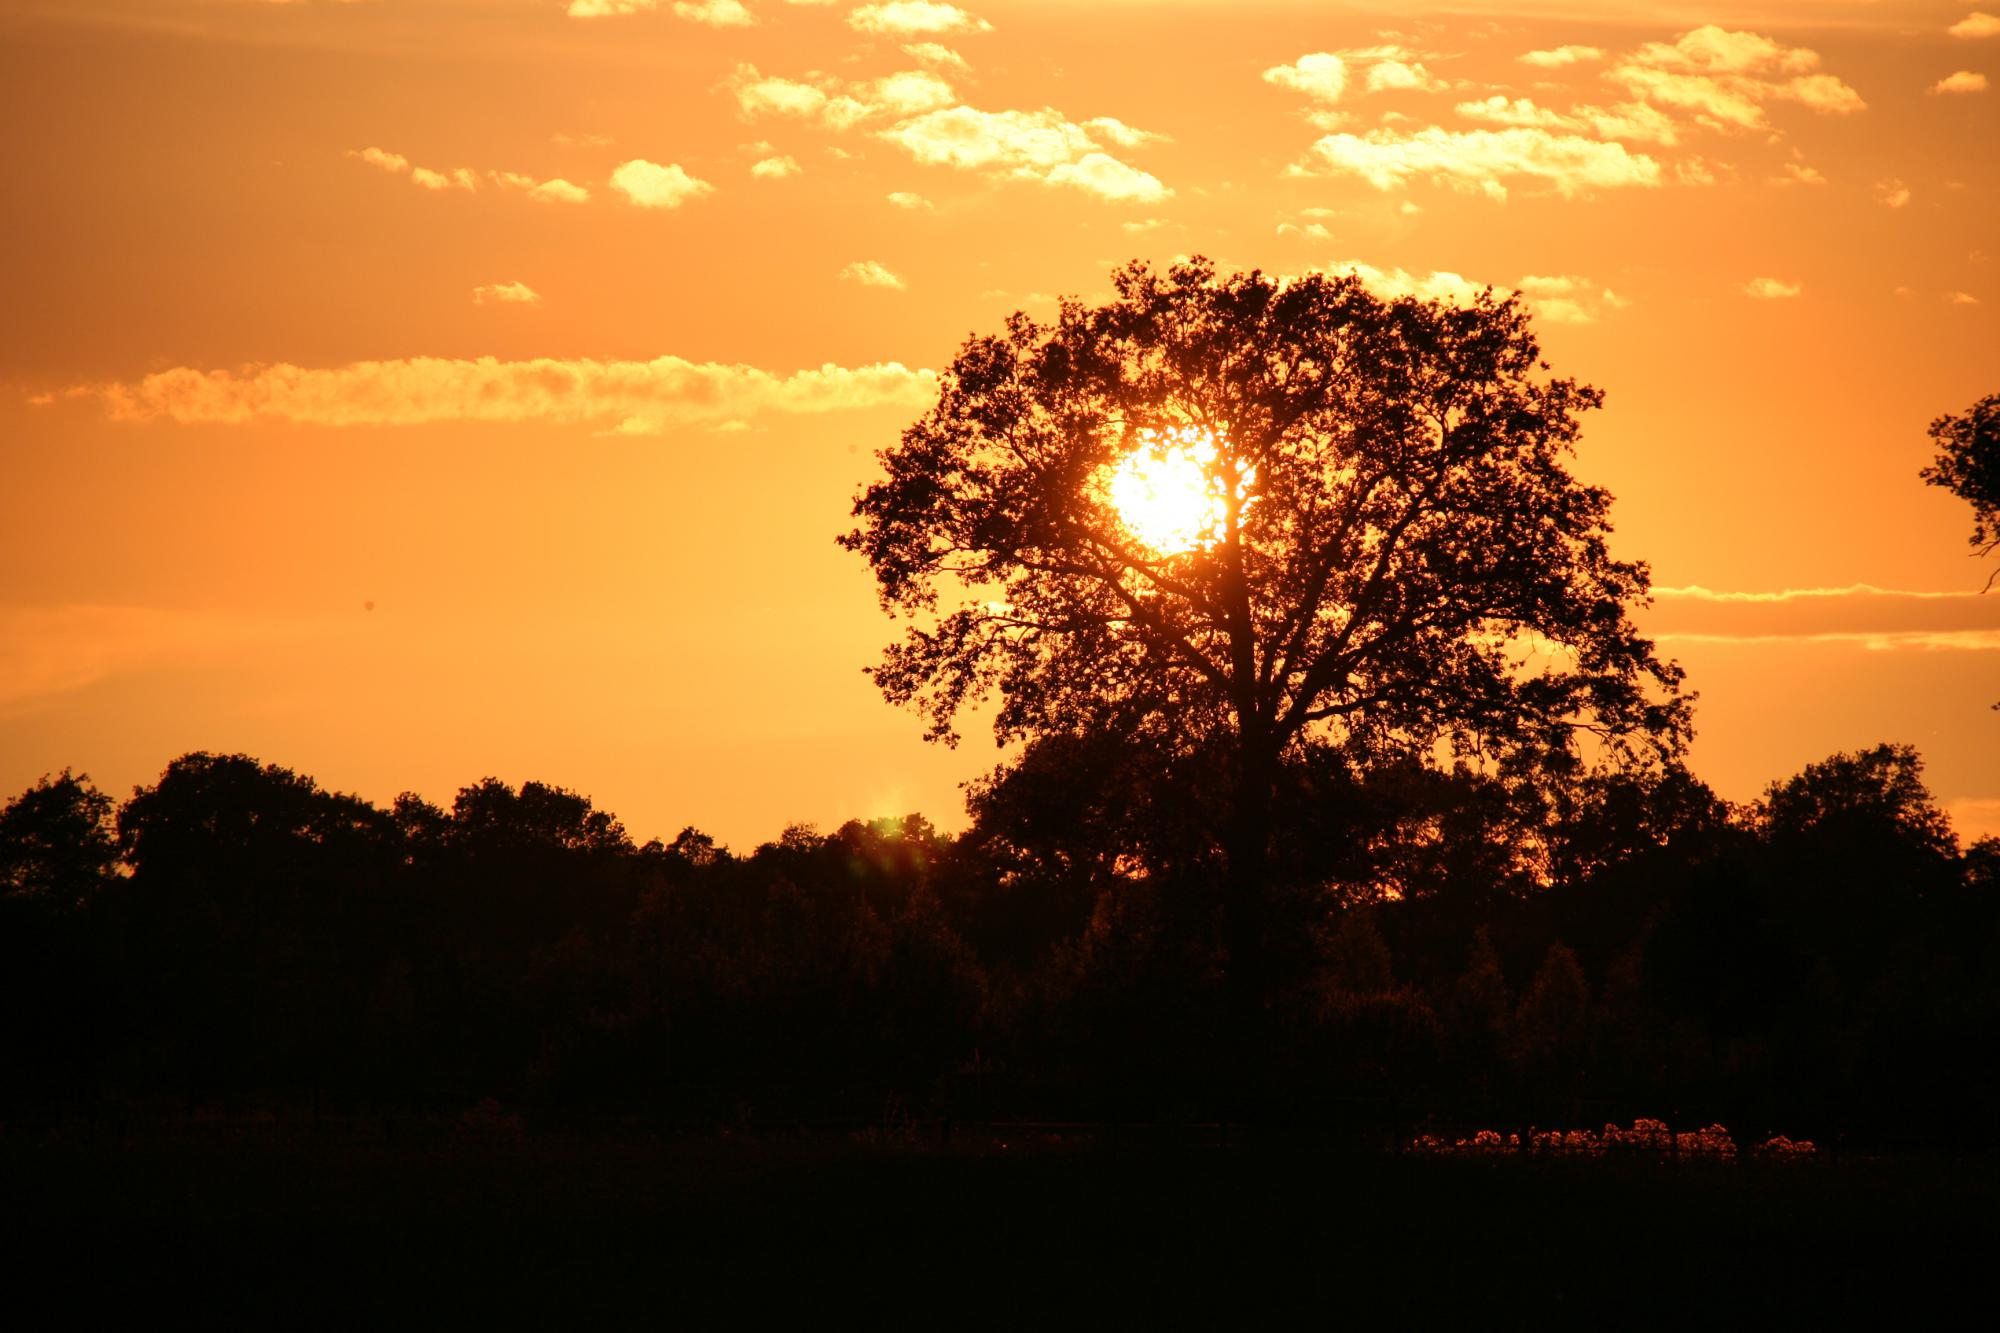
(1399, 558)
(1968, 465)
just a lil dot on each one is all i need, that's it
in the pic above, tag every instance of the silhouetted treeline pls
(1552, 946)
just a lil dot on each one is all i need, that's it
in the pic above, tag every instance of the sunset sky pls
(409, 391)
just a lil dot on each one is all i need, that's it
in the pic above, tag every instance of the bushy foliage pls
(1540, 946)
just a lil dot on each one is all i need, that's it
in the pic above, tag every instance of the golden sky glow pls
(411, 390)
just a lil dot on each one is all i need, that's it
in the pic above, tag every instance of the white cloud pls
(1321, 76)
(1394, 75)
(1798, 173)
(1635, 121)
(913, 202)
(912, 17)
(458, 178)
(1568, 299)
(506, 293)
(557, 191)
(872, 273)
(1559, 299)
(1964, 81)
(1960, 298)
(774, 168)
(715, 13)
(1772, 289)
(636, 396)
(1026, 145)
(1500, 110)
(836, 104)
(1324, 76)
(1561, 55)
(650, 185)
(381, 157)
(1118, 132)
(1974, 26)
(1892, 193)
(1723, 78)
(1481, 159)
(936, 53)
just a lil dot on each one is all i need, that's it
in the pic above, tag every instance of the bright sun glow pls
(1166, 491)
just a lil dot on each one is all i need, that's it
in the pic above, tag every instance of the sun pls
(1166, 491)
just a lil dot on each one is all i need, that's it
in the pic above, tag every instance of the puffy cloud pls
(1321, 76)
(936, 53)
(872, 273)
(774, 168)
(923, 117)
(1394, 75)
(1560, 56)
(459, 178)
(1892, 193)
(1559, 299)
(650, 185)
(1798, 173)
(1960, 298)
(1500, 110)
(381, 157)
(1027, 145)
(1964, 81)
(836, 104)
(715, 13)
(915, 203)
(1481, 159)
(1568, 299)
(1974, 26)
(913, 17)
(1723, 78)
(635, 396)
(1630, 120)
(1772, 289)
(1324, 75)
(557, 191)
(506, 293)
(1118, 132)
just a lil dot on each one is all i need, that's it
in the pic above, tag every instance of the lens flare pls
(1167, 491)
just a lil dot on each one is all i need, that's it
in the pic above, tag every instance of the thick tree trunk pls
(1247, 920)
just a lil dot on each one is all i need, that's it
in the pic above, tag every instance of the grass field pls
(1000, 1228)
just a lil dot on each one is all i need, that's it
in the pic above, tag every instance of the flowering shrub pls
(1644, 1136)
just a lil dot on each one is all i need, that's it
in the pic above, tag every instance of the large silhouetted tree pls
(1399, 563)
(1968, 465)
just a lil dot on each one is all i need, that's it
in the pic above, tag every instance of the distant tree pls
(1968, 465)
(1395, 558)
(57, 842)
(1870, 796)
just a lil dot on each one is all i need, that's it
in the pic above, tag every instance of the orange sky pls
(564, 341)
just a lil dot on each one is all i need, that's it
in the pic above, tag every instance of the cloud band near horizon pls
(630, 396)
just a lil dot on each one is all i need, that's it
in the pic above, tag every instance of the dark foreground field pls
(1000, 1227)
